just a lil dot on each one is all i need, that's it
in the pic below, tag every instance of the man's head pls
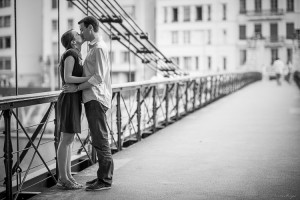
(89, 26)
(71, 39)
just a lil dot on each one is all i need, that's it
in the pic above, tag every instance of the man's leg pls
(96, 117)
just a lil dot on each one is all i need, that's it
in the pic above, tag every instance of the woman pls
(69, 107)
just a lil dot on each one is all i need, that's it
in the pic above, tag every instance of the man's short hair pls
(90, 20)
(67, 38)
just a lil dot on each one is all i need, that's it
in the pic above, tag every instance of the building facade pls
(39, 48)
(200, 35)
(267, 30)
(208, 36)
(37, 41)
(6, 38)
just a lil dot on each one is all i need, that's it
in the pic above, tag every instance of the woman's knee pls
(67, 138)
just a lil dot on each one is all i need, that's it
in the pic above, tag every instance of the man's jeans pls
(95, 113)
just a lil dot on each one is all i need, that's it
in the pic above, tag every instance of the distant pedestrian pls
(279, 67)
(289, 71)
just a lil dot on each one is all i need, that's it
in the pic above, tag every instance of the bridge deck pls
(244, 146)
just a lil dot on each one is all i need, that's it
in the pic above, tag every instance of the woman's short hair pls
(67, 38)
(90, 20)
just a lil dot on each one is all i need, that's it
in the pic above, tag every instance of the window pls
(130, 77)
(209, 12)
(70, 23)
(186, 13)
(224, 36)
(224, 11)
(125, 56)
(224, 63)
(274, 5)
(242, 32)
(54, 25)
(1, 22)
(165, 14)
(289, 56)
(70, 4)
(4, 3)
(175, 15)
(274, 32)
(209, 37)
(186, 37)
(5, 63)
(290, 5)
(274, 55)
(54, 48)
(174, 37)
(243, 57)
(197, 62)
(257, 5)
(257, 31)
(209, 62)
(187, 63)
(243, 8)
(290, 29)
(175, 60)
(5, 21)
(54, 4)
(5, 42)
(199, 13)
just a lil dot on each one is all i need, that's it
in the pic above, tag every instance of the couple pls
(90, 84)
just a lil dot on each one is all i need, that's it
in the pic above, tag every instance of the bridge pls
(219, 140)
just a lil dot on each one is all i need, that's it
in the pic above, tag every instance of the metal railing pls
(139, 109)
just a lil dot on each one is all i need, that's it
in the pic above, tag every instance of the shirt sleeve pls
(99, 65)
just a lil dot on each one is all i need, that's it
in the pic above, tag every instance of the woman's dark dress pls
(69, 104)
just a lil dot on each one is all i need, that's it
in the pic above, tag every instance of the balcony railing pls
(270, 12)
(139, 110)
(274, 41)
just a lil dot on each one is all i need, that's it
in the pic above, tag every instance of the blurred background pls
(201, 36)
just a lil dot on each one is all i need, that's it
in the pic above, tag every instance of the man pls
(278, 66)
(96, 96)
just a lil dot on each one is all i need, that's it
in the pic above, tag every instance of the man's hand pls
(69, 88)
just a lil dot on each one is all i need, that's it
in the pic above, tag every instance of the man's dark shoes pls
(89, 183)
(97, 186)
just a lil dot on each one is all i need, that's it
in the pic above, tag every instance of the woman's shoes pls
(75, 182)
(68, 185)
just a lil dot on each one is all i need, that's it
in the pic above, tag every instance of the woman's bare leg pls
(62, 155)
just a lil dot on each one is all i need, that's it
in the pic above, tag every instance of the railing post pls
(177, 101)
(194, 91)
(200, 92)
(119, 121)
(56, 136)
(186, 97)
(167, 104)
(138, 116)
(8, 157)
(154, 109)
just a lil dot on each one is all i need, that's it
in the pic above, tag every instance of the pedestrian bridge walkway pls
(244, 146)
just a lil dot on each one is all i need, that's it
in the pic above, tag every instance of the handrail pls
(47, 97)
(139, 109)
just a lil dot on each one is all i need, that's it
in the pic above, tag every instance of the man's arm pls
(95, 80)
(69, 88)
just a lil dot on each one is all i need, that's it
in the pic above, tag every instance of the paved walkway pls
(244, 146)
